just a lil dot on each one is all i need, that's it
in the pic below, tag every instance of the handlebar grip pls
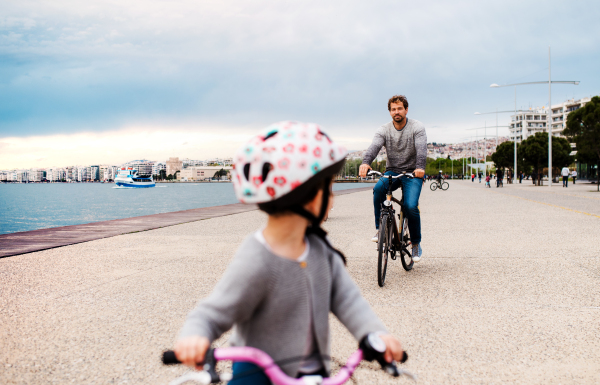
(169, 358)
(391, 369)
(404, 357)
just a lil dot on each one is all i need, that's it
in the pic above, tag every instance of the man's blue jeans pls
(412, 191)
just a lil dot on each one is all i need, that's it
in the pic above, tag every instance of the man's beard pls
(398, 118)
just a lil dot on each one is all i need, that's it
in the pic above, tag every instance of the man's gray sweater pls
(406, 148)
(266, 298)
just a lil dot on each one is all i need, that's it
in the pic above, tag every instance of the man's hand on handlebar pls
(191, 350)
(419, 173)
(362, 171)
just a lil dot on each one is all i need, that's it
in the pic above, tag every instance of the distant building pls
(22, 176)
(94, 173)
(35, 175)
(143, 167)
(82, 174)
(561, 111)
(173, 165)
(69, 173)
(526, 123)
(108, 172)
(201, 172)
(56, 175)
(158, 167)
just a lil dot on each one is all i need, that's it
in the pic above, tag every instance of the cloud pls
(119, 146)
(92, 66)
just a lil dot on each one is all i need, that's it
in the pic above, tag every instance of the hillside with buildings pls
(181, 169)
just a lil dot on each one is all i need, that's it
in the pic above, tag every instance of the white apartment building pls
(94, 173)
(3, 176)
(561, 111)
(143, 167)
(200, 172)
(22, 176)
(83, 174)
(69, 173)
(108, 172)
(35, 175)
(158, 167)
(527, 123)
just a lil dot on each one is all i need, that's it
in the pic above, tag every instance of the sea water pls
(32, 206)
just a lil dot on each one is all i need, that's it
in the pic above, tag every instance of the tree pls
(534, 152)
(220, 173)
(583, 128)
(504, 156)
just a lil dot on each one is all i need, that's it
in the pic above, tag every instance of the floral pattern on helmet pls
(281, 158)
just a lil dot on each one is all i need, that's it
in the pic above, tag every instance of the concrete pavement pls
(508, 291)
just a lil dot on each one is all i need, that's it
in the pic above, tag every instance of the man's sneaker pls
(417, 253)
(375, 237)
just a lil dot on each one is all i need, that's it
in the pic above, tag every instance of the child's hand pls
(191, 350)
(393, 349)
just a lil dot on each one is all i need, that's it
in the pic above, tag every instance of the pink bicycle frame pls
(277, 376)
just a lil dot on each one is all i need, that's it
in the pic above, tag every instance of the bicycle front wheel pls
(405, 256)
(384, 249)
(445, 186)
(433, 186)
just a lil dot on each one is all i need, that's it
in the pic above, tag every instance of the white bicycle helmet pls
(282, 167)
(284, 158)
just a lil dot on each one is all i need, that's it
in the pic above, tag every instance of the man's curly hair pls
(398, 99)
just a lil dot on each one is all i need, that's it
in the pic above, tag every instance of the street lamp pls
(477, 139)
(549, 82)
(515, 133)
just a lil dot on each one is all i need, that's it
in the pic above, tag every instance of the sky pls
(105, 82)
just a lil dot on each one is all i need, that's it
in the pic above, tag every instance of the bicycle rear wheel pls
(405, 256)
(445, 186)
(384, 249)
(433, 186)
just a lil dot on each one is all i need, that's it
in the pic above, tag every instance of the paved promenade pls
(508, 292)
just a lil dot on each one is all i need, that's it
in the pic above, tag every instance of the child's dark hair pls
(308, 194)
(295, 201)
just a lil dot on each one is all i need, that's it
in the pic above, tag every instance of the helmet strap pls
(315, 226)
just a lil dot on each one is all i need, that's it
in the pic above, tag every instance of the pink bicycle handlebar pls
(370, 348)
(274, 372)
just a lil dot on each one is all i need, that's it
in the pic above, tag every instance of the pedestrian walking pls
(521, 177)
(472, 177)
(574, 175)
(533, 177)
(565, 174)
(480, 176)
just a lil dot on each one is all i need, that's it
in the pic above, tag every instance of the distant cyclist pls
(499, 177)
(405, 143)
(440, 177)
(285, 278)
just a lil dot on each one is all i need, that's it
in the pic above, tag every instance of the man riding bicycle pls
(405, 142)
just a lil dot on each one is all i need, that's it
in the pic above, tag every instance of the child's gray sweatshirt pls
(266, 298)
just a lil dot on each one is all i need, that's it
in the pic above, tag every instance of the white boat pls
(128, 177)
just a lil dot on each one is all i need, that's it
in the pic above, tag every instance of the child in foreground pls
(285, 278)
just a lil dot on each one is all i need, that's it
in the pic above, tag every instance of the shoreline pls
(25, 242)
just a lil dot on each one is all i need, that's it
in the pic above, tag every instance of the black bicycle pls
(392, 241)
(439, 184)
